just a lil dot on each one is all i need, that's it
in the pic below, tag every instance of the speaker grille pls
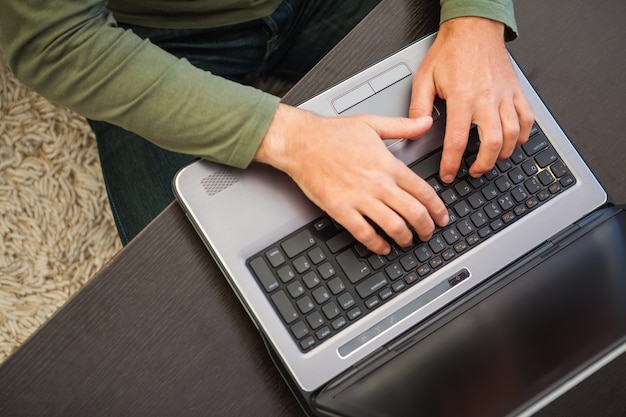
(219, 181)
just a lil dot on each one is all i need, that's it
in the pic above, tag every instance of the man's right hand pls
(343, 166)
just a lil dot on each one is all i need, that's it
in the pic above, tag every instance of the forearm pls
(73, 53)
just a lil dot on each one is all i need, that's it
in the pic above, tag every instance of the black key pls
(465, 227)
(298, 243)
(264, 274)
(371, 285)
(354, 313)
(345, 300)
(323, 223)
(337, 243)
(372, 302)
(339, 323)
(354, 268)
(529, 168)
(305, 304)
(490, 192)
(302, 264)
(424, 270)
(336, 285)
(490, 175)
(504, 165)
(286, 274)
(476, 200)
(506, 202)
(493, 210)
(567, 181)
(437, 244)
(295, 289)
(326, 270)
(307, 343)
(448, 254)
(462, 208)
(558, 169)
(503, 183)
(517, 175)
(394, 271)
(479, 219)
(423, 253)
(519, 194)
(532, 185)
(451, 235)
(315, 320)
(284, 306)
(316, 255)
(311, 279)
(408, 262)
(275, 257)
(517, 156)
(449, 197)
(435, 184)
(546, 157)
(463, 188)
(535, 144)
(376, 261)
(545, 177)
(323, 333)
(385, 293)
(436, 262)
(299, 330)
(477, 182)
(321, 295)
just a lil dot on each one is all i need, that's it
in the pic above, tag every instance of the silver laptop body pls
(239, 213)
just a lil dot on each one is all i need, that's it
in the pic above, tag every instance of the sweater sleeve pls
(500, 10)
(72, 52)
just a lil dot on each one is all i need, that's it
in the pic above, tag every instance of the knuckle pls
(511, 131)
(365, 234)
(491, 143)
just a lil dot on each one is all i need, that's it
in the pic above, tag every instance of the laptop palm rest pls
(529, 330)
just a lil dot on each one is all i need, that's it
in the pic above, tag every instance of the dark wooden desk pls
(159, 332)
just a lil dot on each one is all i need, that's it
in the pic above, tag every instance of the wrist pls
(471, 25)
(280, 137)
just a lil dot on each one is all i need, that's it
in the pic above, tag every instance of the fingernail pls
(446, 220)
(447, 179)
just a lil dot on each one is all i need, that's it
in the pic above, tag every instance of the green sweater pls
(72, 52)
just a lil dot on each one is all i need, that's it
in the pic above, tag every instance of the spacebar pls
(429, 166)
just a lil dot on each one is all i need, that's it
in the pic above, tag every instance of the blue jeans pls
(286, 44)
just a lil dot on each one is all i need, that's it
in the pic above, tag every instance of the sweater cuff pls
(499, 10)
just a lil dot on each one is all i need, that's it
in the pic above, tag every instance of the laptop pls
(324, 304)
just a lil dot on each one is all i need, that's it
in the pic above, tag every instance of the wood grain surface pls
(160, 333)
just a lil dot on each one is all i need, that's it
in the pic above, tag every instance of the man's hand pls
(468, 66)
(343, 166)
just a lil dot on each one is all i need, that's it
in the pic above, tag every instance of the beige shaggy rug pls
(56, 228)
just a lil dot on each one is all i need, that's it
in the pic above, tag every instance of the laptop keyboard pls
(320, 279)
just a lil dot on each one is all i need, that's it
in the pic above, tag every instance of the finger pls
(399, 127)
(423, 95)
(401, 207)
(458, 122)
(490, 135)
(419, 200)
(510, 128)
(364, 232)
(391, 222)
(525, 115)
